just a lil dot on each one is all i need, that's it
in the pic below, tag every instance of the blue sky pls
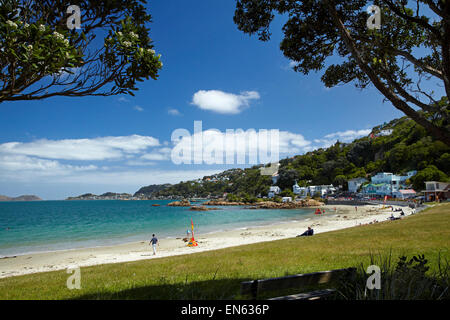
(212, 73)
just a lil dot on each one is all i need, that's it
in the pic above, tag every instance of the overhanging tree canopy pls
(405, 59)
(41, 57)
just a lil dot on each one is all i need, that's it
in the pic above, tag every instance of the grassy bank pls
(217, 274)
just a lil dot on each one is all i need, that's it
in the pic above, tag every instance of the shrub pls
(410, 279)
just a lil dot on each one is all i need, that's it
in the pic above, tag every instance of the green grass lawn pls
(217, 274)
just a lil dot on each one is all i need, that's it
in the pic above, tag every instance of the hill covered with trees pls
(398, 146)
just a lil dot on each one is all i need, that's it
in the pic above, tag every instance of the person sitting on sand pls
(308, 232)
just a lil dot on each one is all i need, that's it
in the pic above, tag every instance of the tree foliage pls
(41, 57)
(404, 59)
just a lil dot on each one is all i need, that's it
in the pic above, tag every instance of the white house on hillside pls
(286, 199)
(296, 188)
(273, 191)
(322, 190)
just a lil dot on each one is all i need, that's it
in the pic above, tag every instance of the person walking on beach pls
(153, 242)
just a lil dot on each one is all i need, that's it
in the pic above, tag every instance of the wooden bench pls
(297, 281)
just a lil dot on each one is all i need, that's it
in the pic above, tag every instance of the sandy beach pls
(335, 217)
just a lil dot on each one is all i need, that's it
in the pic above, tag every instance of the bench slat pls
(293, 281)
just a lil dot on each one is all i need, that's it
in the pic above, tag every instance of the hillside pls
(149, 190)
(398, 146)
(20, 198)
(105, 196)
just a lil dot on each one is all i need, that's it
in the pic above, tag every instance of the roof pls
(405, 191)
(376, 185)
(440, 182)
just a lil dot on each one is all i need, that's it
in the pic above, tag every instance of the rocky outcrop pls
(182, 203)
(202, 208)
(223, 203)
(267, 204)
(288, 205)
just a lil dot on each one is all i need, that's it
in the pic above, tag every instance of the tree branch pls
(440, 133)
(419, 21)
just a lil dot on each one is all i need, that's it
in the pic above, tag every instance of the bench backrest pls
(294, 281)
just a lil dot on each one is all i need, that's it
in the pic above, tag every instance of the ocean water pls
(42, 226)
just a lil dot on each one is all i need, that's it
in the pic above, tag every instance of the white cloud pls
(140, 163)
(139, 178)
(349, 135)
(138, 108)
(157, 155)
(241, 147)
(174, 112)
(223, 102)
(123, 99)
(342, 136)
(23, 168)
(102, 148)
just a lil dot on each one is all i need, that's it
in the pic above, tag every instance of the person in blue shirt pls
(153, 242)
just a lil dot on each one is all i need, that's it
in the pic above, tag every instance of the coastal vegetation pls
(217, 274)
(398, 146)
(44, 53)
(148, 191)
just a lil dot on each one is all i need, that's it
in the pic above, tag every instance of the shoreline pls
(345, 216)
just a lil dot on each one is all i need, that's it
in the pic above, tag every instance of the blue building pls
(386, 183)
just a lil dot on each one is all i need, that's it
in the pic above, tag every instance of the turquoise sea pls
(42, 226)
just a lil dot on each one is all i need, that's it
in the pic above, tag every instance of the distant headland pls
(20, 198)
(144, 193)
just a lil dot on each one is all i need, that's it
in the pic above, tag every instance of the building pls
(321, 190)
(354, 184)
(387, 183)
(386, 178)
(436, 191)
(273, 191)
(381, 189)
(300, 191)
(296, 188)
(286, 199)
(405, 194)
